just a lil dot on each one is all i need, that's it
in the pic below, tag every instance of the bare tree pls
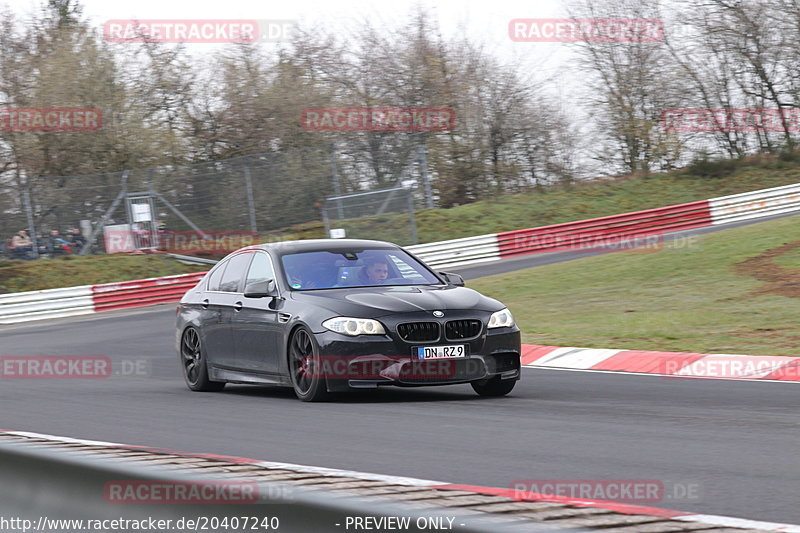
(632, 81)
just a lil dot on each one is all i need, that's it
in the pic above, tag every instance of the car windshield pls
(356, 268)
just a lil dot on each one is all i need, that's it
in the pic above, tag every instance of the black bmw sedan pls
(333, 315)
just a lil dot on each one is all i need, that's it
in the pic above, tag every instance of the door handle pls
(237, 306)
(204, 303)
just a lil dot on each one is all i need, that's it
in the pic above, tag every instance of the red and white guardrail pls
(126, 294)
(628, 230)
(625, 231)
(87, 299)
(605, 231)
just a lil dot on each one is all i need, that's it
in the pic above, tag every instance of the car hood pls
(373, 302)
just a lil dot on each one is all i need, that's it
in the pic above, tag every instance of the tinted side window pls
(234, 272)
(215, 277)
(260, 269)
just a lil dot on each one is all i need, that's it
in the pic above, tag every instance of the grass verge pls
(698, 298)
(69, 271)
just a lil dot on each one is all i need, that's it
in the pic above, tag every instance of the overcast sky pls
(484, 20)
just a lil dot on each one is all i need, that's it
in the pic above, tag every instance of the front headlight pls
(501, 319)
(354, 326)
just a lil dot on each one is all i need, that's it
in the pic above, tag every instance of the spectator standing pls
(41, 244)
(76, 240)
(21, 245)
(56, 244)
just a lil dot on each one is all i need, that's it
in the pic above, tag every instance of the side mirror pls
(452, 279)
(261, 289)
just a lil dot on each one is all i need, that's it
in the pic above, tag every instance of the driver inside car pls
(375, 271)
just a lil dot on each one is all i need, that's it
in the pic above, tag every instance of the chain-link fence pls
(255, 194)
(386, 214)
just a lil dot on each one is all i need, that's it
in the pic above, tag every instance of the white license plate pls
(441, 352)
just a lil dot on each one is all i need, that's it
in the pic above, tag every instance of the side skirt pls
(238, 376)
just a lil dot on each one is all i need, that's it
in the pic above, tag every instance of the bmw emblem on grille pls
(438, 314)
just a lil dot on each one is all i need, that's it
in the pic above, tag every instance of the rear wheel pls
(305, 367)
(195, 371)
(493, 387)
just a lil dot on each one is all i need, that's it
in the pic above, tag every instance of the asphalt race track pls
(735, 439)
(733, 442)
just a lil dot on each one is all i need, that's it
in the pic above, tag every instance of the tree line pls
(164, 107)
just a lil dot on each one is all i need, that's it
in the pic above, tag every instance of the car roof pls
(322, 245)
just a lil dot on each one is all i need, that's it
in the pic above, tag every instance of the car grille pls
(419, 331)
(462, 329)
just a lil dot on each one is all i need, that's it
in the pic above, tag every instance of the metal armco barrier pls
(45, 487)
(86, 299)
(141, 292)
(52, 303)
(757, 204)
(457, 252)
(628, 230)
(605, 231)
(191, 260)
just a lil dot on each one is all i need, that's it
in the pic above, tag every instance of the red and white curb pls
(623, 508)
(668, 364)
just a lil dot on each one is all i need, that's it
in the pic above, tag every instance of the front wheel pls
(195, 370)
(493, 387)
(305, 368)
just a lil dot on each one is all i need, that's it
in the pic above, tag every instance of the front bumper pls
(370, 361)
